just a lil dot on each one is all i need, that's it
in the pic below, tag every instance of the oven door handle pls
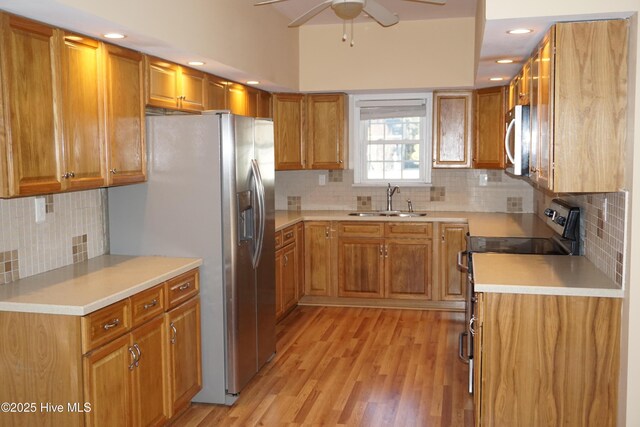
(461, 347)
(461, 266)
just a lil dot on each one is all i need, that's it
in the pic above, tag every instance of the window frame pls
(357, 150)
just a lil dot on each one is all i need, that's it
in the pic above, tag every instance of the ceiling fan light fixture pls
(347, 9)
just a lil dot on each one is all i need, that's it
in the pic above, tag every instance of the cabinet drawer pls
(415, 230)
(183, 287)
(278, 239)
(361, 229)
(288, 235)
(147, 304)
(106, 324)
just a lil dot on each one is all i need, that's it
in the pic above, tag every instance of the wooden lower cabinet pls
(318, 257)
(360, 267)
(289, 275)
(408, 268)
(546, 360)
(453, 281)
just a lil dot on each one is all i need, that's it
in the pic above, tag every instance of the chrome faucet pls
(410, 205)
(390, 193)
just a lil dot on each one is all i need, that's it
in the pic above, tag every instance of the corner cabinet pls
(489, 128)
(546, 360)
(452, 129)
(581, 117)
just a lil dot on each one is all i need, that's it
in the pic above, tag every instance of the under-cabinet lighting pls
(505, 61)
(114, 36)
(496, 79)
(73, 38)
(253, 82)
(520, 31)
(195, 63)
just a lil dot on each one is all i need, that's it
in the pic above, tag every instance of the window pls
(391, 138)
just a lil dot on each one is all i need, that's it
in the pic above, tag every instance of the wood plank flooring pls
(354, 367)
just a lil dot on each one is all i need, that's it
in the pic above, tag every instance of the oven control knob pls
(560, 221)
(550, 213)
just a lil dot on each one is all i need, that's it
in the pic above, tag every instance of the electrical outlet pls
(41, 209)
(484, 179)
(322, 179)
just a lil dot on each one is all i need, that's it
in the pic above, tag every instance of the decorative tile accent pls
(494, 176)
(79, 248)
(335, 175)
(48, 200)
(9, 268)
(294, 203)
(437, 194)
(364, 203)
(514, 204)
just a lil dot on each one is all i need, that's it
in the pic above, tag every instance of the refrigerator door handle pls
(261, 212)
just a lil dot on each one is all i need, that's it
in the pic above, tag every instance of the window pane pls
(374, 170)
(375, 152)
(393, 170)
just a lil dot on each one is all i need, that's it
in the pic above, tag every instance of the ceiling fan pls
(350, 9)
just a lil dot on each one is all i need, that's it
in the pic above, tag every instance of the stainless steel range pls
(562, 218)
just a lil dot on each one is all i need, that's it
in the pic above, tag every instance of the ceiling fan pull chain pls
(352, 41)
(344, 30)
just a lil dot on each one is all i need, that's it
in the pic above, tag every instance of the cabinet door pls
(326, 131)
(545, 112)
(290, 267)
(300, 256)
(183, 328)
(150, 376)
(264, 105)
(407, 268)
(452, 129)
(237, 99)
(107, 383)
(360, 267)
(127, 156)
(453, 282)
(192, 89)
(533, 116)
(82, 112)
(317, 258)
(216, 93)
(163, 83)
(288, 115)
(252, 101)
(28, 64)
(489, 128)
(478, 352)
(279, 283)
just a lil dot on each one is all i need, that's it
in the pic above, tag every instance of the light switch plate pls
(41, 209)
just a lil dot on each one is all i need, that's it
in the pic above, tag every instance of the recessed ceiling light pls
(520, 31)
(114, 36)
(496, 79)
(195, 63)
(505, 61)
(253, 82)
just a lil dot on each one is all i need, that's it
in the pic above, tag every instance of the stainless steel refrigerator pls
(209, 194)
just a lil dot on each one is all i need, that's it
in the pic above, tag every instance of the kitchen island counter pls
(85, 287)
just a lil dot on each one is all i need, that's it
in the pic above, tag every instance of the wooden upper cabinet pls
(83, 115)
(326, 131)
(489, 124)
(127, 160)
(251, 109)
(237, 97)
(216, 93)
(172, 86)
(32, 156)
(452, 129)
(543, 130)
(264, 105)
(288, 116)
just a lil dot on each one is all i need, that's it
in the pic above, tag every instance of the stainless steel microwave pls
(517, 140)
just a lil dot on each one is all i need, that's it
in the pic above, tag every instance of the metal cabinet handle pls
(134, 359)
(65, 175)
(153, 303)
(114, 171)
(72, 174)
(184, 287)
(326, 232)
(471, 322)
(461, 265)
(288, 235)
(461, 347)
(112, 324)
(380, 250)
(286, 260)
(386, 251)
(139, 354)
(175, 333)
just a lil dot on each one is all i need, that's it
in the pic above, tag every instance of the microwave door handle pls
(506, 141)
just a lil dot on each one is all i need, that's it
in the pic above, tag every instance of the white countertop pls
(82, 288)
(541, 275)
(483, 224)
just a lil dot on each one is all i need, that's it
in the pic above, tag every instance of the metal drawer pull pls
(134, 358)
(461, 347)
(114, 171)
(139, 354)
(112, 324)
(175, 333)
(153, 303)
(286, 260)
(288, 235)
(185, 286)
(471, 322)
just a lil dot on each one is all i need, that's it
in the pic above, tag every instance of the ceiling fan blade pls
(380, 13)
(430, 1)
(310, 14)
(260, 3)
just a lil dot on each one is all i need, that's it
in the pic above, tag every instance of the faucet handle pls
(410, 205)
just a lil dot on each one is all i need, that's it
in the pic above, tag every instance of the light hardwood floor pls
(355, 367)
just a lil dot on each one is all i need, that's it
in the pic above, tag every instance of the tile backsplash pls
(456, 190)
(73, 230)
(602, 228)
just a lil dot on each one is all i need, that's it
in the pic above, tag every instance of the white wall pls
(409, 55)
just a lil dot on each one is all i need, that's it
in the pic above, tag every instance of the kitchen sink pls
(389, 213)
